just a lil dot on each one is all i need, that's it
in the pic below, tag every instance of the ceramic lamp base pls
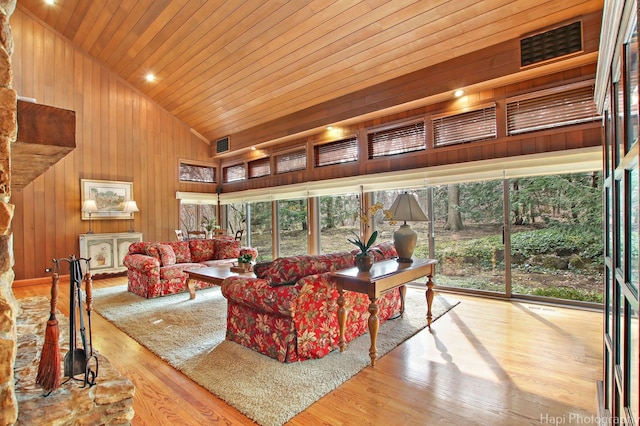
(405, 240)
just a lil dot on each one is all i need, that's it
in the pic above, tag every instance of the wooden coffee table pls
(212, 274)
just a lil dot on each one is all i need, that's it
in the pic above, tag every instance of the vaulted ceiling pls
(223, 67)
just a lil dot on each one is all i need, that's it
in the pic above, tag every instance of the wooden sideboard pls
(107, 250)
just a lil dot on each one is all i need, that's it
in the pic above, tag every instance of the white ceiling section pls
(574, 161)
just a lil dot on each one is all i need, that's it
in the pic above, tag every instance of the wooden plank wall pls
(121, 135)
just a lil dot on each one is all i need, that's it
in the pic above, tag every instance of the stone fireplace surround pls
(110, 400)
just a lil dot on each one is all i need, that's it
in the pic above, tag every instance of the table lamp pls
(131, 207)
(89, 206)
(406, 208)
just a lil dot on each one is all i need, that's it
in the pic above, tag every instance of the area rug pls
(189, 335)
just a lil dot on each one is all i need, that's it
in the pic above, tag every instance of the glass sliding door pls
(556, 236)
(293, 227)
(468, 236)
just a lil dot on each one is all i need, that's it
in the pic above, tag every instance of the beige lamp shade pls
(89, 206)
(406, 208)
(130, 207)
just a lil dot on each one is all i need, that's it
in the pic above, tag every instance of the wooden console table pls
(382, 277)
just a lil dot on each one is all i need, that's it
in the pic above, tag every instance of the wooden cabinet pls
(107, 250)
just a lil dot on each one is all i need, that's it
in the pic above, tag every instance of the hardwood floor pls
(486, 362)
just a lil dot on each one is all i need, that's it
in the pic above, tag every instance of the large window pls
(192, 216)
(259, 230)
(293, 227)
(338, 221)
(556, 236)
(467, 223)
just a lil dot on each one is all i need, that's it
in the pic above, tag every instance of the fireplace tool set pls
(77, 360)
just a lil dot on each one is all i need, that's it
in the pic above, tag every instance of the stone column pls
(8, 303)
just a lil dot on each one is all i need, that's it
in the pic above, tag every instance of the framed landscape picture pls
(109, 196)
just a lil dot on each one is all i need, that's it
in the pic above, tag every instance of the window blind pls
(465, 127)
(343, 151)
(398, 140)
(552, 110)
(234, 173)
(259, 168)
(291, 161)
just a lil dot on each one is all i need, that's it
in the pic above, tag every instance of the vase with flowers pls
(364, 259)
(209, 225)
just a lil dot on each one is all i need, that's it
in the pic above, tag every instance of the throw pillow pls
(227, 249)
(152, 251)
(167, 255)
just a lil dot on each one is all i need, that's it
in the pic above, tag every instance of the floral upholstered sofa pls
(158, 269)
(290, 310)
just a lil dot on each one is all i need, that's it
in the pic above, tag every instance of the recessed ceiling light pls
(458, 93)
(150, 77)
(51, 2)
(329, 127)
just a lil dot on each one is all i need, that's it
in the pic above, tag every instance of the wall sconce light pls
(131, 207)
(89, 206)
(406, 208)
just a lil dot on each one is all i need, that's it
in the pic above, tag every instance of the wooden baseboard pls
(38, 281)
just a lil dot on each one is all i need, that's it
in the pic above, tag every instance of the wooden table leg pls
(403, 293)
(374, 324)
(429, 296)
(342, 318)
(192, 288)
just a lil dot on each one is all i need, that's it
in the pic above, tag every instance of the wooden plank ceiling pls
(226, 66)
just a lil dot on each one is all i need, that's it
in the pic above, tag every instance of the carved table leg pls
(429, 295)
(374, 323)
(342, 319)
(192, 288)
(403, 293)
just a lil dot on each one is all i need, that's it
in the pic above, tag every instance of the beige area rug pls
(189, 335)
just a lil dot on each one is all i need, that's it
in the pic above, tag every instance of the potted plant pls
(244, 261)
(364, 259)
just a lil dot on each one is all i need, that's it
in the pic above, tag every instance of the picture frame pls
(109, 195)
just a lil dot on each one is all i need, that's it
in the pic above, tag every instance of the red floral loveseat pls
(158, 269)
(290, 311)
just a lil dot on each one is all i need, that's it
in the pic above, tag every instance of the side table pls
(382, 277)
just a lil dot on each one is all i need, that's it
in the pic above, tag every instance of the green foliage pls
(364, 248)
(581, 241)
(584, 241)
(245, 258)
(564, 293)
(293, 215)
